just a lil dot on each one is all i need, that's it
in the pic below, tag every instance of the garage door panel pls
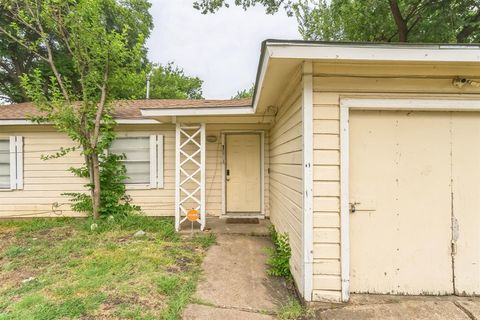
(367, 164)
(400, 175)
(466, 201)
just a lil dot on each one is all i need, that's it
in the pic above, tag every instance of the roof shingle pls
(127, 109)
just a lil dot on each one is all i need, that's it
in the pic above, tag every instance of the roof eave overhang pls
(196, 111)
(360, 52)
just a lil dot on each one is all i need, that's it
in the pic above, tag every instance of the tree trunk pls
(468, 29)
(399, 21)
(96, 186)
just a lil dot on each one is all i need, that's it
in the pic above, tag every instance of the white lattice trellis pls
(190, 172)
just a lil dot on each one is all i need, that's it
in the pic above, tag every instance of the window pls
(11, 163)
(4, 164)
(144, 159)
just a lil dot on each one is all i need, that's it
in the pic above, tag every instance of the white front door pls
(243, 173)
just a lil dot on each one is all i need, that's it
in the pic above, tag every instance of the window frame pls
(155, 162)
(15, 151)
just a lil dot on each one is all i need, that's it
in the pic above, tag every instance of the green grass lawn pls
(61, 269)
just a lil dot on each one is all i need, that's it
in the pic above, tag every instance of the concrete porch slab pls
(220, 226)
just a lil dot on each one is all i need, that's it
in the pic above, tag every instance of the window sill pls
(141, 187)
(7, 190)
(137, 186)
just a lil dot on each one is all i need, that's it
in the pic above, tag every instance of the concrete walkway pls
(235, 283)
(402, 307)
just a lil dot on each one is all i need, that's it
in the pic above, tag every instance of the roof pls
(293, 52)
(128, 109)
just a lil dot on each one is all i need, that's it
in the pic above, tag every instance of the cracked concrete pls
(235, 284)
(402, 307)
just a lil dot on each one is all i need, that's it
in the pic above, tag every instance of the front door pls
(243, 173)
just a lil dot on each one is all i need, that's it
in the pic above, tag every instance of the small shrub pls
(279, 256)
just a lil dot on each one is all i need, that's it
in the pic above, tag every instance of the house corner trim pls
(307, 243)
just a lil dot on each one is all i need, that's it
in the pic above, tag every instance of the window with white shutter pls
(4, 164)
(11, 163)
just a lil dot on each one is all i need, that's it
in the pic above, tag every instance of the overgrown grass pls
(291, 310)
(61, 269)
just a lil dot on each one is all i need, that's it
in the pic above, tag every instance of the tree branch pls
(101, 106)
(469, 28)
(399, 21)
(21, 43)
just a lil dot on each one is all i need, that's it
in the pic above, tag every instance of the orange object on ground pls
(192, 215)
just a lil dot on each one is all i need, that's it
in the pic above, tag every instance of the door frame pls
(261, 215)
(410, 103)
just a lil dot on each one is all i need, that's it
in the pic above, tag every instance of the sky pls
(222, 48)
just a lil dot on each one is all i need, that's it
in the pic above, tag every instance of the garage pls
(414, 193)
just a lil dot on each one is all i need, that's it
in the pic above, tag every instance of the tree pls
(448, 21)
(373, 20)
(166, 82)
(245, 93)
(170, 82)
(16, 60)
(78, 101)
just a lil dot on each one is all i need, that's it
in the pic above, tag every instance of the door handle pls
(353, 206)
(228, 174)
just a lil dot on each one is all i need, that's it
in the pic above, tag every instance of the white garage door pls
(415, 179)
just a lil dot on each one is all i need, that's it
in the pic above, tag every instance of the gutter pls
(24, 122)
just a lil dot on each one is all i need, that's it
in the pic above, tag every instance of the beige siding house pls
(365, 154)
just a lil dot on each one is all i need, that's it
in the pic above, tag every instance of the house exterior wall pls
(330, 84)
(286, 173)
(46, 180)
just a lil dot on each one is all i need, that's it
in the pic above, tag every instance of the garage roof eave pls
(408, 52)
(360, 51)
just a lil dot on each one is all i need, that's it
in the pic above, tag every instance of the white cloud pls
(222, 49)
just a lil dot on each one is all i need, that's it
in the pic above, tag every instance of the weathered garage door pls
(415, 186)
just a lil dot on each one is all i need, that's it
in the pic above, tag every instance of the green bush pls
(113, 198)
(279, 256)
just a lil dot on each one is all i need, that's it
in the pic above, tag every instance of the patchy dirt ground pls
(61, 269)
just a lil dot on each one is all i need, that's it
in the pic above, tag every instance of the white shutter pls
(160, 161)
(16, 162)
(153, 162)
(13, 167)
(19, 162)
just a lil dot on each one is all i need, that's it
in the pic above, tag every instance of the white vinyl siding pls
(4, 164)
(286, 173)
